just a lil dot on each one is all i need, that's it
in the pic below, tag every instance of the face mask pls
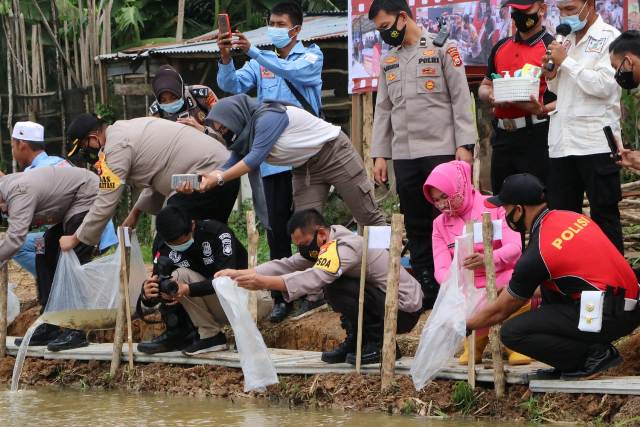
(574, 20)
(451, 205)
(625, 78)
(173, 107)
(310, 251)
(392, 35)
(183, 247)
(517, 226)
(229, 137)
(524, 22)
(279, 36)
(90, 154)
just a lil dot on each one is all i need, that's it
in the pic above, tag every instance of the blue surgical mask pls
(279, 36)
(173, 107)
(183, 247)
(574, 20)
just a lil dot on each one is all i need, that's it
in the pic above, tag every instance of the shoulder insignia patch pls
(109, 181)
(455, 56)
(328, 258)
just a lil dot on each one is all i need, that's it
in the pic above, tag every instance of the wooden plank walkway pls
(285, 361)
(609, 385)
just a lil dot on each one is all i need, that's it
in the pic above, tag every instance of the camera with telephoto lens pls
(166, 283)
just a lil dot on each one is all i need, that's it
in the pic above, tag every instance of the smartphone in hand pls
(613, 146)
(193, 178)
(224, 25)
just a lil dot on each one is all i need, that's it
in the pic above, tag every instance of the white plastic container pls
(515, 89)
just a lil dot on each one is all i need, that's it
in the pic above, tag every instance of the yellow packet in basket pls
(531, 71)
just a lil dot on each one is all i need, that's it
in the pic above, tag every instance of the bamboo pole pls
(252, 243)
(367, 132)
(60, 75)
(363, 278)
(124, 264)
(492, 295)
(391, 303)
(118, 336)
(180, 26)
(4, 288)
(471, 339)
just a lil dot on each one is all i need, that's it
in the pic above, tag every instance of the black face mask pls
(311, 250)
(517, 226)
(625, 78)
(392, 35)
(524, 22)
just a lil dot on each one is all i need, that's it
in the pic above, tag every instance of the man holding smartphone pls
(588, 100)
(291, 73)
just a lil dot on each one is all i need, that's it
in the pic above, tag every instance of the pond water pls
(74, 408)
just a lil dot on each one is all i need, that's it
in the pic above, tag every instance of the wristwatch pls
(220, 180)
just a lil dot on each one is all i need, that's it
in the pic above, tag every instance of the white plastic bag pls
(257, 366)
(137, 272)
(13, 304)
(444, 331)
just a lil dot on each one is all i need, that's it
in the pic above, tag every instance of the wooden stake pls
(124, 265)
(492, 294)
(363, 278)
(4, 288)
(180, 26)
(471, 339)
(391, 303)
(118, 335)
(252, 243)
(367, 132)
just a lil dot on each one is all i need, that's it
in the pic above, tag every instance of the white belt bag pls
(591, 308)
(519, 122)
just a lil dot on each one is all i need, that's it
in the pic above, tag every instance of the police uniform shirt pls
(44, 196)
(511, 54)
(567, 254)
(588, 95)
(144, 153)
(198, 100)
(342, 255)
(214, 248)
(423, 105)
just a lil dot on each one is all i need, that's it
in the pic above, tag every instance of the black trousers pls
(278, 193)
(597, 175)
(342, 297)
(418, 213)
(550, 334)
(521, 151)
(214, 204)
(47, 262)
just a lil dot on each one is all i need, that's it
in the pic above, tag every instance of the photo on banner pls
(365, 48)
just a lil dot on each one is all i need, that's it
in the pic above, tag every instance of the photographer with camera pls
(186, 257)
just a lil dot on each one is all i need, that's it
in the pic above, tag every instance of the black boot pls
(43, 335)
(371, 354)
(304, 305)
(339, 354)
(430, 289)
(180, 332)
(70, 338)
(280, 311)
(602, 357)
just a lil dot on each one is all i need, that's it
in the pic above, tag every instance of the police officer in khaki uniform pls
(180, 103)
(329, 259)
(422, 118)
(50, 195)
(144, 153)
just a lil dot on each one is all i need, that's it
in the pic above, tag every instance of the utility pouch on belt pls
(591, 311)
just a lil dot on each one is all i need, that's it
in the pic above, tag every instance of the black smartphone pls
(611, 140)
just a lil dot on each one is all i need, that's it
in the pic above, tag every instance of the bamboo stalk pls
(252, 243)
(4, 288)
(66, 43)
(471, 340)
(124, 264)
(492, 295)
(118, 336)
(180, 26)
(363, 279)
(60, 79)
(391, 303)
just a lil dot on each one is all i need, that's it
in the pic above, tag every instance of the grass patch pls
(464, 399)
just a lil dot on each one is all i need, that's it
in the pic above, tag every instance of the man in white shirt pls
(588, 100)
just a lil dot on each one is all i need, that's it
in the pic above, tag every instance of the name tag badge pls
(266, 74)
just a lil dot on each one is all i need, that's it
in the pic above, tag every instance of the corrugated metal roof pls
(314, 28)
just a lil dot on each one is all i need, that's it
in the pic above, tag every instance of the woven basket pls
(515, 89)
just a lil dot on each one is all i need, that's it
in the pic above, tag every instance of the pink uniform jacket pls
(455, 177)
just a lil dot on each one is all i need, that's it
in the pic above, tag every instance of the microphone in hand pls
(562, 31)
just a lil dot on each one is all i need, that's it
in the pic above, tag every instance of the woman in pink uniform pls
(450, 190)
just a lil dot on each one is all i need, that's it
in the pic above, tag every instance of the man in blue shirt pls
(291, 73)
(28, 150)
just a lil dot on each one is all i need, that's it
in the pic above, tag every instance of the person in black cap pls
(175, 101)
(519, 140)
(589, 292)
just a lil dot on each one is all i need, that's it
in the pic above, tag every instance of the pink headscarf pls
(453, 179)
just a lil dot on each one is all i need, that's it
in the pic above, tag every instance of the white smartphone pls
(193, 178)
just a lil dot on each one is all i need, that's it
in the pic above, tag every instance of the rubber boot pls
(179, 334)
(515, 358)
(430, 289)
(481, 343)
(339, 354)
